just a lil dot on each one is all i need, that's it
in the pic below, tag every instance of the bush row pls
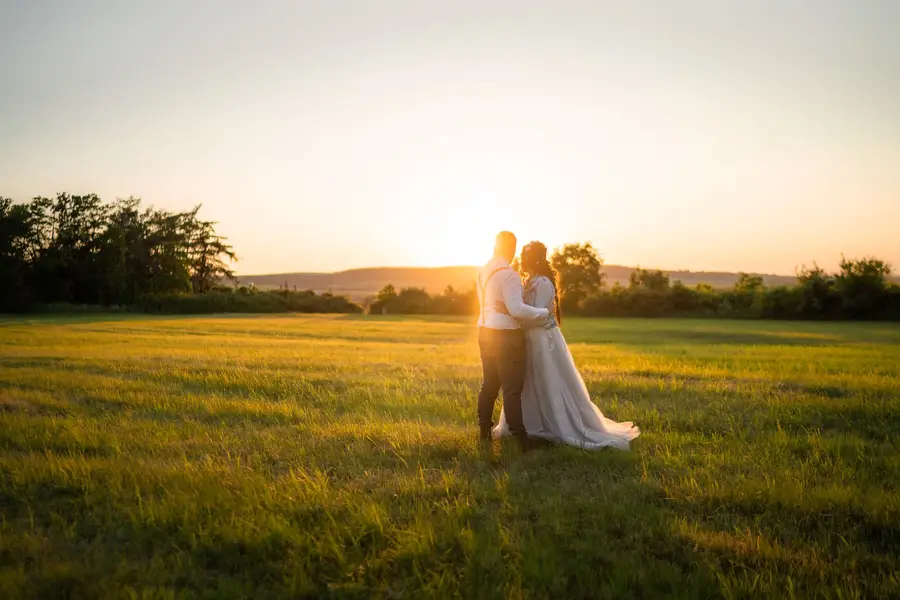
(416, 301)
(861, 290)
(244, 300)
(781, 302)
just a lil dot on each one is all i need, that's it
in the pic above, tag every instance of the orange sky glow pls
(322, 136)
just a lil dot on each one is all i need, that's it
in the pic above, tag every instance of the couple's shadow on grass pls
(586, 523)
(633, 525)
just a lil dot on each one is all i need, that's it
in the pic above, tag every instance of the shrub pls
(246, 300)
(862, 286)
(416, 301)
(780, 302)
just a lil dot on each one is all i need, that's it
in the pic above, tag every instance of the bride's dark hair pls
(535, 263)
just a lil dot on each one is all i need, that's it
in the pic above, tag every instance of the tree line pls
(80, 251)
(861, 289)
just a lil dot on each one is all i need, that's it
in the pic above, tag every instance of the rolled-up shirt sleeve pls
(512, 297)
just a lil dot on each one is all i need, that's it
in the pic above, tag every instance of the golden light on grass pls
(273, 455)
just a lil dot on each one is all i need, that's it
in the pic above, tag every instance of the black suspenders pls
(484, 290)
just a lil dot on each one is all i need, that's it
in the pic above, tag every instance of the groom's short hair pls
(506, 243)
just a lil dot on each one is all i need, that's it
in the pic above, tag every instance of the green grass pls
(319, 456)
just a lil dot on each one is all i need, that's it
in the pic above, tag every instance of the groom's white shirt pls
(505, 286)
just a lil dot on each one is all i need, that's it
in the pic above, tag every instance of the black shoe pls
(526, 444)
(529, 443)
(542, 443)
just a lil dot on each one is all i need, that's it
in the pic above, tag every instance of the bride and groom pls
(524, 353)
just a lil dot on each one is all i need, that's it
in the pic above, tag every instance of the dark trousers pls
(503, 363)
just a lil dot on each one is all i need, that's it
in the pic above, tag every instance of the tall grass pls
(335, 456)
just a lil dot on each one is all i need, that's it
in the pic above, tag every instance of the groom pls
(501, 339)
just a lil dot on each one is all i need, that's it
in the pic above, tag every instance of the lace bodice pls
(541, 293)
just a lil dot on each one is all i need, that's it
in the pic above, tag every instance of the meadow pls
(335, 457)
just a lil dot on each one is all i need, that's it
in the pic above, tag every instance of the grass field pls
(328, 456)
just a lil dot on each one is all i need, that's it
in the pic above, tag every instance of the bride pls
(556, 405)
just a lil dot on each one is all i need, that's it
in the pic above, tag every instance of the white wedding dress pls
(556, 405)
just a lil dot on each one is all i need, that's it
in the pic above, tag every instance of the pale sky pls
(698, 134)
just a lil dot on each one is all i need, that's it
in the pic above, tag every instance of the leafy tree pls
(68, 236)
(748, 284)
(862, 286)
(205, 252)
(452, 302)
(683, 300)
(15, 232)
(126, 256)
(411, 301)
(383, 300)
(580, 273)
(781, 302)
(386, 294)
(77, 249)
(816, 298)
(654, 281)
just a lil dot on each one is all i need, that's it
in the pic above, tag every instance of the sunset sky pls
(325, 135)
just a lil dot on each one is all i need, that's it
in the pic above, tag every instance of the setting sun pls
(463, 231)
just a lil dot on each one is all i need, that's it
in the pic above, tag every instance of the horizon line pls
(605, 266)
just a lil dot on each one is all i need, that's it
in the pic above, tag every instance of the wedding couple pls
(524, 353)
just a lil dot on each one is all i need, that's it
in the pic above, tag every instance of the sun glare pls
(464, 233)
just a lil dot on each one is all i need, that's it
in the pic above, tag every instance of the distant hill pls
(361, 283)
